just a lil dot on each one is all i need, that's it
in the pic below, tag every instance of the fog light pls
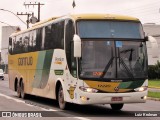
(83, 98)
(145, 97)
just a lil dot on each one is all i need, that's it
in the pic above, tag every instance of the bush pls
(154, 71)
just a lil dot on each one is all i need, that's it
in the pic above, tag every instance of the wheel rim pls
(18, 91)
(22, 90)
(61, 99)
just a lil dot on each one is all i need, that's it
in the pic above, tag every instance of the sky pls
(148, 11)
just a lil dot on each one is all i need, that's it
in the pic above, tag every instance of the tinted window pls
(38, 44)
(57, 35)
(69, 33)
(48, 44)
(26, 42)
(18, 45)
(110, 29)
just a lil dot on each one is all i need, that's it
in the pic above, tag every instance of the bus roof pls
(80, 17)
(104, 16)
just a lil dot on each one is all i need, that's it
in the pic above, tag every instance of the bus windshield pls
(113, 59)
(109, 29)
(112, 50)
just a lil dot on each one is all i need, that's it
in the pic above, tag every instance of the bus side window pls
(69, 33)
(38, 41)
(10, 45)
(25, 42)
(18, 46)
(13, 45)
(32, 41)
(57, 35)
(48, 38)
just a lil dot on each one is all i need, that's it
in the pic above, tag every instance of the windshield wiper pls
(126, 68)
(123, 63)
(107, 67)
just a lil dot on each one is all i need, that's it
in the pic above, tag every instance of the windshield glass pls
(110, 29)
(113, 59)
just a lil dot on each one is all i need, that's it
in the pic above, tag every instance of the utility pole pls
(34, 4)
(28, 15)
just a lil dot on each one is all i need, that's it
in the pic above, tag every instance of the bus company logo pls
(25, 61)
(116, 89)
(58, 60)
(103, 86)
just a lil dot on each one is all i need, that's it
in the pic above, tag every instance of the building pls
(6, 32)
(152, 29)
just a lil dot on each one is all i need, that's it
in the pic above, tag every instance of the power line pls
(8, 25)
(14, 14)
(35, 4)
(28, 15)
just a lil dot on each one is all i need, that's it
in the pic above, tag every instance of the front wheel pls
(117, 106)
(61, 101)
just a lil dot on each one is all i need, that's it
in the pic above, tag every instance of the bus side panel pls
(12, 67)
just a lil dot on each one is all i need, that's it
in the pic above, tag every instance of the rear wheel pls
(23, 94)
(117, 106)
(18, 90)
(61, 101)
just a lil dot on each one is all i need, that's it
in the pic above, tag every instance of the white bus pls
(82, 59)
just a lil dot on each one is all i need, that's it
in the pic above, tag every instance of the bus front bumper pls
(111, 98)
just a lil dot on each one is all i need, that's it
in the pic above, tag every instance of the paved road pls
(10, 102)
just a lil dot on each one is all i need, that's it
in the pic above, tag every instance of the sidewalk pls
(154, 89)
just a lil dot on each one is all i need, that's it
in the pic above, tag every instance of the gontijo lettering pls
(25, 61)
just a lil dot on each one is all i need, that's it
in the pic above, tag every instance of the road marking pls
(48, 109)
(81, 118)
(21, 101)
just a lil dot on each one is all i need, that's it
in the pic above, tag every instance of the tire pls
(61, 102)
(117, 106)
(23, 94)
(18, 90)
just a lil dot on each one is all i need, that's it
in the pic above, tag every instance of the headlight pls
(87, 89)
(141, 89)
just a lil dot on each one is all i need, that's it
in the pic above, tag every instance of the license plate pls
(116, 99)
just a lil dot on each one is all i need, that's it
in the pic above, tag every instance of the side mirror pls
(154, 46)
(77, 46)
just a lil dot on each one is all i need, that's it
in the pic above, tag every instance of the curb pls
(151, 98)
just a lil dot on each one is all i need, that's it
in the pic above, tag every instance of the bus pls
(82, 59)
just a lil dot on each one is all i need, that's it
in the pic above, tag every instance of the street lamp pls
(15, 15)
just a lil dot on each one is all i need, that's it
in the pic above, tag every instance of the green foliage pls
(154, 94)
(154, 71)
(154, 83)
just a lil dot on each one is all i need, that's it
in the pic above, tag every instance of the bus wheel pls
(23, 94)
(117, 106)
(18, 90)
(62, 103)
